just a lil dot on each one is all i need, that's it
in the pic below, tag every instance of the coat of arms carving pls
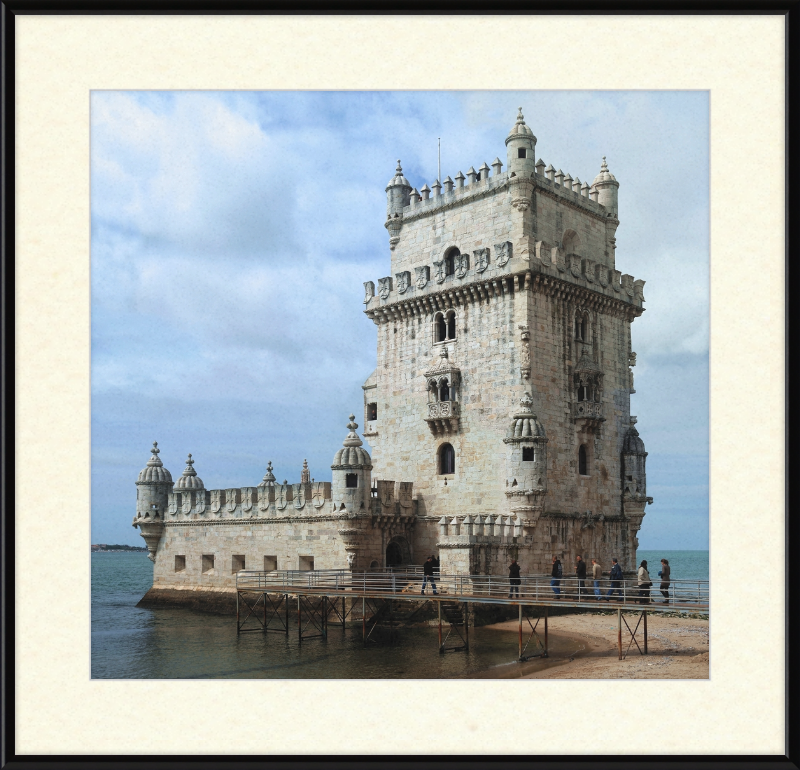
(403, 281)
(369, 291)
(186, 506)
(320, 491)
(481, 259)
(231, 496)
(247, 498)
(461, 264)
(438, 268)
(216, 501)
(384, 287)
(386, 495)
(404, 493)
(299, 494)
(200, 503)
(282, 496)
(423, 276)
(502, 253)
(265, 498)
(173, 504)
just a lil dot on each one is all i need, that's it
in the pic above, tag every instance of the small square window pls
(270, 563)
(208, 563)
(527, 454)
(521, 152)
(180, 563)
(372, 411)
(237, 563)
(307, 563)
(351, 480)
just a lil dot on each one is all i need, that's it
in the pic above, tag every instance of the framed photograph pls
(207, 249)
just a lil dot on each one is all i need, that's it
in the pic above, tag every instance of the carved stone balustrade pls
(443, 416)
(588, 414)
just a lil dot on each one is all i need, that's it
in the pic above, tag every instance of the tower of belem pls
(498, 416)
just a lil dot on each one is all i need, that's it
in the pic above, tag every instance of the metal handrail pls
(538, 588)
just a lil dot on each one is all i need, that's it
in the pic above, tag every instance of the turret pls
(398, 192)
(607, 188)
(526, 464)
(352, 477)
(634, 481)
(152, 492)
(521, 148)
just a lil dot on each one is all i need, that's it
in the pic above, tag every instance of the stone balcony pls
(442, 416)
(588, 414)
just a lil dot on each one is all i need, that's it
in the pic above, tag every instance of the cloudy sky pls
(232, 233)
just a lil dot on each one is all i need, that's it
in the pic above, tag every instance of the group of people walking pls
(643, 582)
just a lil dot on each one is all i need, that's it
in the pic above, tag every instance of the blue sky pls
(232, 233)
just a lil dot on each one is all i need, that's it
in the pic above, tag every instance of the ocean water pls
(130, 642)
(683, 565)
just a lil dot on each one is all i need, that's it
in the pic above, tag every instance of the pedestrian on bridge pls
(597, 573)
(616, 580)
(513, 579)
(664, 575)
(644, 583)
(580, 571)
(555, 574)
(427, 574)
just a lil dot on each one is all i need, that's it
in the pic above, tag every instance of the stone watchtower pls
(504, 306)
(153, 488)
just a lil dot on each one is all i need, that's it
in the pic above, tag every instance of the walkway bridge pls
(393, 598)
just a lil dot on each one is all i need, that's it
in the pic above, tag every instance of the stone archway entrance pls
(398, 552)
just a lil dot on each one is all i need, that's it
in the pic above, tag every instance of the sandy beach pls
(677, 648)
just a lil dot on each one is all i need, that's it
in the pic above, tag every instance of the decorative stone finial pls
(305, 474)
(154, 458)
(633, 420)
(189, 470)
(604, 165)
(352, 438)
(520, 116)
(269, 476)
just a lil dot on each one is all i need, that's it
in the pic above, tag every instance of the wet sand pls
(677, 649)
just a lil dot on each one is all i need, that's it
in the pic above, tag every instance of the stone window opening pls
(581, 329)
(270, 563)
(450, 260)
(208, 563)
(180, 563)
(445, 326)
(582, 390)
(237, 563)
(372, 411)
(306, 563)
(583, 466)
(521, 152)
(447, 460)
(351, 481)
(528, 454)
(444, 390)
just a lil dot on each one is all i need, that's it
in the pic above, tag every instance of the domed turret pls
(189, 479)
(152, 492)
(607, 187)
(634, 481)
(521, 148)
(398, 192)
(269, 477)
(526, 463)
(352, 476)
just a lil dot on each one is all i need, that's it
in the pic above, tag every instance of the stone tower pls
(153, 488)
(504, 305)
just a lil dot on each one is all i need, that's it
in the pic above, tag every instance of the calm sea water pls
(683, 565)
(129, 642)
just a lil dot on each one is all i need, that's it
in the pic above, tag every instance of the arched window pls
(582, 393)
(441, 328)
(444, 391)
(570, 242)
(582, 466)
(451, 325)
(447, 460)
(449, 260)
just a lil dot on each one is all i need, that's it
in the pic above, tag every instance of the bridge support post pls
(264, 597)
(619, 632)
(645, 631)
(466, 624)
(299, 621)
(237, 613)
(520, 632)
(439, 608)
(286, 596)
(546, 608)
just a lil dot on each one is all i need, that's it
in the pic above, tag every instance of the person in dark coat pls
(513, 579)
(580, 571)
(664, 575)
(555, 574)
(616, 580)
(427, 574)
(435, 565)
